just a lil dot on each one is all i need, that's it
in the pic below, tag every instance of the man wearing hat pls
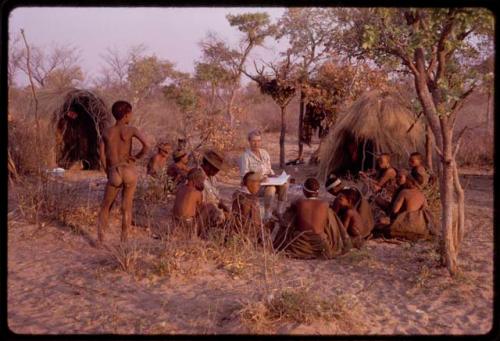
(179, 169)
(211, 164)
(158, 161)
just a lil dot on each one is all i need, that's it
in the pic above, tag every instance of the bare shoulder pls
(392, 172)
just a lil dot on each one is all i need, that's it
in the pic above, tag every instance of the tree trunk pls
(229, 109)
(460, 231)
(282, 138)
(301, 118)
(449, 254)
(429, 150)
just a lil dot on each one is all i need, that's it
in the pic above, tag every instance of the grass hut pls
(79, 119)
(377, 122)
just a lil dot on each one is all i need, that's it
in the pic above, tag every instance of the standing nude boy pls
(115, 153)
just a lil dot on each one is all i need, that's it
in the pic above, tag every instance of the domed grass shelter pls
(377, 122)
(79, 121)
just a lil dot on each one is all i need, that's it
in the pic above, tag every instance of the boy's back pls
(187, 201)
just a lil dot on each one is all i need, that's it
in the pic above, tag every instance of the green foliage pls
(147, 73)
(256, 26)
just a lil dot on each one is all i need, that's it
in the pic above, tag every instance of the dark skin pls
(188, 200)
(246, 208)
(212, 171)
(312, 213)
(351, 219)
(409, 200)
(115, 153)
(159, 160)
(388, 173)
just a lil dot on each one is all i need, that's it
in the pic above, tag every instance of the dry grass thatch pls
(79, 117)
(377, 122)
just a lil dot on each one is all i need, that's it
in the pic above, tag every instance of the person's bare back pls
(187, 201)
(409, 200)
(353, 223)
(312, 215)
(115, 154)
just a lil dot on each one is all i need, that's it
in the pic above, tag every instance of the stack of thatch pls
(377, 122)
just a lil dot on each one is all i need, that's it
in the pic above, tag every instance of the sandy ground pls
(59, 283)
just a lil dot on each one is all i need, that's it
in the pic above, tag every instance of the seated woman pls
(310, 229)
(351, 219)
(417, 169)
(410, 217)
(245, 208)
(335, 187)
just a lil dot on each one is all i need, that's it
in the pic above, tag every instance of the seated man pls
(256, 159)
(188, 200)
(179, 169)
(352, 221)
(384, 177)
(335, 187)
(310, 229)
(159, 160)
(214, 209)
(417, 169)
(411, 218)
(246, 209)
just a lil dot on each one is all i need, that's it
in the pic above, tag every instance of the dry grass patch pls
(299, 305)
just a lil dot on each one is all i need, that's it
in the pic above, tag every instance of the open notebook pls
(276, 181)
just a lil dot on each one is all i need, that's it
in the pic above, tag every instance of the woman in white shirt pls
(257, 160)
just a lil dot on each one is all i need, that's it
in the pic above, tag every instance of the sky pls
(169, 33)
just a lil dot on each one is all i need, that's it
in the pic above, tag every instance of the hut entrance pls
(358, 155)
(79, 123)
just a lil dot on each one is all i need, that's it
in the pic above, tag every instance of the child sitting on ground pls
(351, 219)
(245, 206)
(188, 200)
(417, 169)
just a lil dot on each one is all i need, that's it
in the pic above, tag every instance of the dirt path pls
(59, 283)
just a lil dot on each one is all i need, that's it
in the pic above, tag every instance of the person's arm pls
(268, 163)
(145, 146)
(389, 174)
(398, 203)
(244, 165)
(102, 155)
(346, 221)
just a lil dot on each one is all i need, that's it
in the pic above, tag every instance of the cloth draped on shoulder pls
(246, 212)
(412, 225)
(332, 242)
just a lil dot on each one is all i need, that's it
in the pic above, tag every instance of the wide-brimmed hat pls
(215, 159)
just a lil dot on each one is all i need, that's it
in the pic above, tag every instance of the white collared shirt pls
(250, 162)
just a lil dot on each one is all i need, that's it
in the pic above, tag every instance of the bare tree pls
(63, 59)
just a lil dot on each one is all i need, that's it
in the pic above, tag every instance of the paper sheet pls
(276, 181)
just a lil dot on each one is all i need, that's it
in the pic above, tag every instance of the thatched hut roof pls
(79, 117)
(377, 122)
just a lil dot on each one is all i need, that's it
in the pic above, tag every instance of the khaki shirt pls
(250, 162)
(210, 192)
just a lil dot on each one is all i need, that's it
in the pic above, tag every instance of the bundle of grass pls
(79, 117)
(377, 122)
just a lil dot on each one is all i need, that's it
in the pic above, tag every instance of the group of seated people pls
(310, 227)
